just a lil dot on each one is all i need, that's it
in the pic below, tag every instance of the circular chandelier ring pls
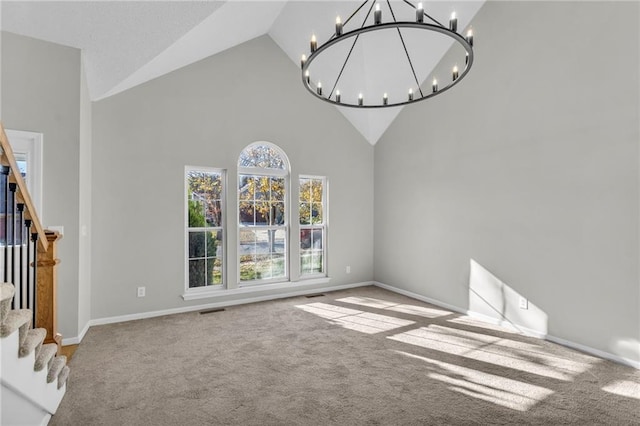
(385, 26)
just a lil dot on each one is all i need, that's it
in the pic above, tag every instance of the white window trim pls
(262, 172)
(325, 225)
(208, 293)
(195, 292)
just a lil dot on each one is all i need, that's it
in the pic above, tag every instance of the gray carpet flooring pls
(363, 356)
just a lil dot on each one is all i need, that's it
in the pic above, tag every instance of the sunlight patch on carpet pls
(494, 350)
(498, 390)
(364, 322)
(325, 310)
(625, 388)
(396, 307)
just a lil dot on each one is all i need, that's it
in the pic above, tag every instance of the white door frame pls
(30, 144)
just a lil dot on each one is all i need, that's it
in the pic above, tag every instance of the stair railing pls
(29, 257)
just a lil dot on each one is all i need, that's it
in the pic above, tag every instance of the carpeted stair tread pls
(57, 366)
(16, 319)
(6, 291)
(64, 375)
(6, 295)
(45, 356)
(34, 339)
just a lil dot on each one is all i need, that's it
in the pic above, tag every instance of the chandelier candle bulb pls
(410, 94)
(420, 13)
(314, 43)
(319, 89)
(306, 74)
(338, 96)
(435, 85)
(385, 99)
(470, 36)
(453, 22)
(360, 99)
(377, 14)
(303, 60)
(466, 58)
(455, 73)
(338, 26)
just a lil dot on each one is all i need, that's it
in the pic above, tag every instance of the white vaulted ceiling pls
(126, 43)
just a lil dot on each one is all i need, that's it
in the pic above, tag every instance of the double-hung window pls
(205, 194)
(313, 226)
(263, 181)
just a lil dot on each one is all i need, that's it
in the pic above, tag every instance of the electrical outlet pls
(524, 303)
(141, 291)
(348, 269)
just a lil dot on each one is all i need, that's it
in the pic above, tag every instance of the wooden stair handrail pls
(8, 159)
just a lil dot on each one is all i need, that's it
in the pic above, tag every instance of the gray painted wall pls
(41, 93)
(529, 168)
(204, 115)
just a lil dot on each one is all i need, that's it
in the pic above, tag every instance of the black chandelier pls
(333, 95)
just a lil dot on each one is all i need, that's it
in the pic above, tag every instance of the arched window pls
(263, 184)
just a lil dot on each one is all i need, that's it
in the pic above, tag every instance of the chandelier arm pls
(364, 21)
(352, 46)
(393, 15)
(415, 77)
(344, 65)
(354, 13)
(425, 13)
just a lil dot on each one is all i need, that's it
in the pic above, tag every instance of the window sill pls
(219, 292)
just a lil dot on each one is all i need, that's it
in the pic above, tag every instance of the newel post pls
(46, 293)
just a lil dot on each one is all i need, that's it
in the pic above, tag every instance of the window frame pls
(222, 228)
(266, 172)
(311, 226)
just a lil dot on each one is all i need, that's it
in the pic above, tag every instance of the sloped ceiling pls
(126, 43)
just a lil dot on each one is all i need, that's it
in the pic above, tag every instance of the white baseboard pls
(593, 351)
(207, 293)
(527, 331)
(132, 317)
(481, 317)
(420, 297)
(506, 324)
(77, 339)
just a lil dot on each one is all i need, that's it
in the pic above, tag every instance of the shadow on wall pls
(493, 300)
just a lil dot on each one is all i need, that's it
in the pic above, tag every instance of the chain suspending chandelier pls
(423, 22)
